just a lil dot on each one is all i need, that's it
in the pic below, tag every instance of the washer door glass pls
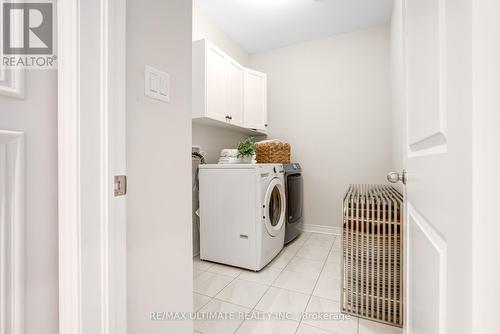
(274, 213)
(275, 207)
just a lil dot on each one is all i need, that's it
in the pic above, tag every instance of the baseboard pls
(321, 229)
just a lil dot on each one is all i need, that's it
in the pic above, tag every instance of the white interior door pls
(434, 85)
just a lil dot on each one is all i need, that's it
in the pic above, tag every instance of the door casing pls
(91, 142)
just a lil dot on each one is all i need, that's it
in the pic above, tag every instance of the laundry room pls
(291, 104)
(342, 179)
(329, 97)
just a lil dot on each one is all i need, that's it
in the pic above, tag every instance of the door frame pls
(485, 167)
(98, 275)
(12, 228)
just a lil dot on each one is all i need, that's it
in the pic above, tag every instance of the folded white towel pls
(270, 141)
(231, 160)
(228, 152)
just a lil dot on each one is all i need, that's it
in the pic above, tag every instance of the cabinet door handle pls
(229, 117)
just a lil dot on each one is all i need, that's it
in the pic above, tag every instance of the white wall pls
(159, 266)
(486, 164)
(214, 139)
(203, 27)
(36, 116)
(398, 92)
(330, 99)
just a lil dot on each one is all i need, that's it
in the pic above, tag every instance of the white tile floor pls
(304, 277)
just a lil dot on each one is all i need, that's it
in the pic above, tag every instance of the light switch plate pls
(156, 84)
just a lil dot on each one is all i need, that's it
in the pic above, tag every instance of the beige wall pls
(330, 99)
(159, 266)
(36, 116)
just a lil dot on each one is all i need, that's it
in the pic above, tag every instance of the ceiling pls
(260, 25)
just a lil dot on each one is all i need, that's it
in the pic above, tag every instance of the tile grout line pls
(209, 300)
(212, 298)
(233, 278)
(216, 274)
(270, 286)
(315, 284)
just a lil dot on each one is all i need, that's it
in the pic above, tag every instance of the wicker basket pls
(273, 151)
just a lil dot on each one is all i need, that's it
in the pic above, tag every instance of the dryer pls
(242, 213)
(294, 187)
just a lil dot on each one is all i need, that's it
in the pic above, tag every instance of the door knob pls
(395, 177)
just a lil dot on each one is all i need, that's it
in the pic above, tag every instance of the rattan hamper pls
(273, 151)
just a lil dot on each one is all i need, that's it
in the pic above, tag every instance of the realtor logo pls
(27, 28)
(28, 34)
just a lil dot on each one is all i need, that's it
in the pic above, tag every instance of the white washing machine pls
(242, 213)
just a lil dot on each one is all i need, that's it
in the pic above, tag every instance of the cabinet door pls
(216, 88)
(255, 100)
(235, 74)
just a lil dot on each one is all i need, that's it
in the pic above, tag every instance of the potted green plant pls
(246, 150)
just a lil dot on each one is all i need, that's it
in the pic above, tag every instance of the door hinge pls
(120, 185)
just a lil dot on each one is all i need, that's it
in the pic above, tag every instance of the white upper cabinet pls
(235, 74)
(209, 82)
(255, 100)
(224, 92)
(216, 83)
